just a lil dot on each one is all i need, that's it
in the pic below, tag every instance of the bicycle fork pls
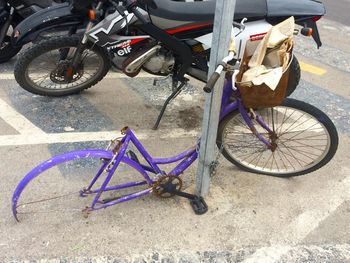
(248, 120)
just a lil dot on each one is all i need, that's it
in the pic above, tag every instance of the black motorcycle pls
(162, 37)
(12, 12)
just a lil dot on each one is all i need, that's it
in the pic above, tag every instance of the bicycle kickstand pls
(173, 95)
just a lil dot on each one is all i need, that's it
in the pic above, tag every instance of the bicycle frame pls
(185, 159)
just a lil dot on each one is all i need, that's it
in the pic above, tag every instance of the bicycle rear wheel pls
(305, 140)
(65, 189)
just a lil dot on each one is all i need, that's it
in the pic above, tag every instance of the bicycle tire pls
(307, 109)
(24, 61)
(33, 195)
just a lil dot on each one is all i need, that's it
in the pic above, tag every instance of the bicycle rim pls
(303, 142)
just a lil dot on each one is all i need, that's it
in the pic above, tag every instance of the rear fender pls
(54, 17)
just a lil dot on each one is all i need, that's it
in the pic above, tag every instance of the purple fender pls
(65, 158)
(62, 159)
(49, 164)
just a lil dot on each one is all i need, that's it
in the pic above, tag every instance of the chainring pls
(167, 182)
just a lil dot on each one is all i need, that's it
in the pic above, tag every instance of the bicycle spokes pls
(297, 139)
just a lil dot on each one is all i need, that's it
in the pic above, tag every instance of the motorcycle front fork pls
(6, 26)
(81, 47)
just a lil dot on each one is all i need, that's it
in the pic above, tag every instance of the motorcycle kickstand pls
(173, 95)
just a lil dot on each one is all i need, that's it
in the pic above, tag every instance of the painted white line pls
(17, 121)
(305, 223)
(6, 76)
(111, 75)
(69, 137)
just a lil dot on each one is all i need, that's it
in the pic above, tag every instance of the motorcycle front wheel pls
(46, 68)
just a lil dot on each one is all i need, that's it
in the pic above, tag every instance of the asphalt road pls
(338, 10)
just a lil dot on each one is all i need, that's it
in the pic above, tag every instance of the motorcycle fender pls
(54, 17)
(105, 33)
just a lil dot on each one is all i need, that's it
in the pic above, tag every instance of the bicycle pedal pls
(199, 206)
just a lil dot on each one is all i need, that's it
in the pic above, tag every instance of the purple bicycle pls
(292, 139)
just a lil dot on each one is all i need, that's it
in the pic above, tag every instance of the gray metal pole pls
(221, 39)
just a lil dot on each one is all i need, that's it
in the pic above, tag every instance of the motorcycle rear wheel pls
(294, 76)
(43, 69)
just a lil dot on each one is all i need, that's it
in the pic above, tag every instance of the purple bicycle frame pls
(185, 160)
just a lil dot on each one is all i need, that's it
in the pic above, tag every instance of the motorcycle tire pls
(29, 57)
(294, 76)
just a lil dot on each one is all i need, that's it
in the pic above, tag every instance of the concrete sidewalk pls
(251, 218)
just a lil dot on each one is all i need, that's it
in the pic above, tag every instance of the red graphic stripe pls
(257, 36)
(182, 29)
(172, 32)
(136, 40)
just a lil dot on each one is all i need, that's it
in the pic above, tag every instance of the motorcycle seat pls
(285, 8)
(205, 10)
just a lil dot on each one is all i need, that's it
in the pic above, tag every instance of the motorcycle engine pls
(154, 59)
(160, 63)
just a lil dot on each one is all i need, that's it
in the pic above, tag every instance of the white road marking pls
(304, 224)
(7, 76)
(69, 137)
(17, 121)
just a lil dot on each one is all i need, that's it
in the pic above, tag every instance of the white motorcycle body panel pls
(253, 33)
